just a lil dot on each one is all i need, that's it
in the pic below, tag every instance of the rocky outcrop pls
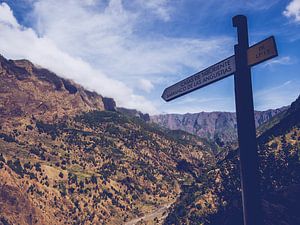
(134, 113)
(109, 104)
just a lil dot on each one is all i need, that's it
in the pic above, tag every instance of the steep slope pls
(28, 90)
(70, 161)
(217, 126)
(215, 198)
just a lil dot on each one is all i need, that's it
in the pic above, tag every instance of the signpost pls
(240, 65)
(262, 51)
(212, 74)
(257, 53)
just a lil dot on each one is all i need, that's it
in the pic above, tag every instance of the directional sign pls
(240, 64)
(200, 79)
(262, 51)
(257, 53)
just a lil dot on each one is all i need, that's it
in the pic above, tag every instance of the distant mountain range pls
(216, 126)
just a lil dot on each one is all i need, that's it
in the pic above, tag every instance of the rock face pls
(109, 104)
(134, 113)
(40, 93)
(218, 126)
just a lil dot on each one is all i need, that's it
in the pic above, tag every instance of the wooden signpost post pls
(240, 65)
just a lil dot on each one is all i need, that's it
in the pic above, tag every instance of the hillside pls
(67, 157)
(71, 156)
(216, 198)
(220, 127)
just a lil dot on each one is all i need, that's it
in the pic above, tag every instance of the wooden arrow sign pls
(262, 51)
(211, 74)
(257, 53)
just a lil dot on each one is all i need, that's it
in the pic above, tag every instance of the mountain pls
(215, 198)
(217, 126)
(30, 90)
(70, 156)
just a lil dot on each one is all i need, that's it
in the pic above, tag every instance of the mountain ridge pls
(42, 92)
(217, 126)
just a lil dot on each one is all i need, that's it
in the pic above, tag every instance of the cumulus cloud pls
(99, 45)
(6, 16)
(293, 10)
(21, 42)
(108, 39)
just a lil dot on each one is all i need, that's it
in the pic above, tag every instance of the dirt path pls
(150, 216)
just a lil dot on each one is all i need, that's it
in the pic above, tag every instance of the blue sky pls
(132, 49)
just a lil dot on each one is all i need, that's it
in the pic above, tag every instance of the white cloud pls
(108, 39)
(21, 42)
(160, 8)
(285, 60)
(90, 2)
(259, 4)
(104, 49)
(145, 85)
(293, 10)
(6, 16)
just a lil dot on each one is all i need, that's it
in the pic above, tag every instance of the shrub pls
(2, 158)
(16, 166)
(94, 179)
(38, 167)
(62, 189)
(7, 138)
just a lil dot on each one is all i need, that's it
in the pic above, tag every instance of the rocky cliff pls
(217, 126)
(134, 113)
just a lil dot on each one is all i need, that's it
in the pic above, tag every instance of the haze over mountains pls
(71, 156)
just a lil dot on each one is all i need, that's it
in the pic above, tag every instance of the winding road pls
(150, 216)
